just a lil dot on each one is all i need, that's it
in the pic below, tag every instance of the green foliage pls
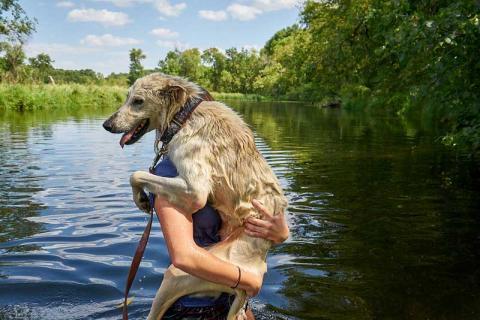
(12, 63)
(136, 68)
(84, 76)
(234, 71)
(15, 25)
(190, 64)
(406, 56)
(22, 97)
(243, 66)
(171, 63)
(215, 65)
(239, 96)
(42, 67)
(116, 79)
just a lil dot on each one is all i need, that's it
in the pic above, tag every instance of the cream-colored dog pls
(217, 161)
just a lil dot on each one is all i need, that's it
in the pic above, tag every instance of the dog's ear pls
(177, 92)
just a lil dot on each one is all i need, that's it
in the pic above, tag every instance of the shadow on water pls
(384, 220)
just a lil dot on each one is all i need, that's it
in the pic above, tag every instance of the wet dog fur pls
(217, 161)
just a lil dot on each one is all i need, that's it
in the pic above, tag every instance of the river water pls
(385, 223)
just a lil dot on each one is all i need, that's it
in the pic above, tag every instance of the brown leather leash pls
(137, 258)
(174, 126)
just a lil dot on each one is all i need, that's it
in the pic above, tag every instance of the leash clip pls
(159, 154)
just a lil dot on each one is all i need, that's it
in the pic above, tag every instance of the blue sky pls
(98, 34)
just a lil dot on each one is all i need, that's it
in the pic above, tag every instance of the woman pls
(187, 236)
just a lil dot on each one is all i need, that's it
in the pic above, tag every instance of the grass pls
(26, 97)
(20, 97)
(239, 96)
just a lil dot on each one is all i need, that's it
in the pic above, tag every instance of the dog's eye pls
(137, 101)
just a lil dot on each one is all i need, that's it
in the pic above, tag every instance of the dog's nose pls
(107, 125)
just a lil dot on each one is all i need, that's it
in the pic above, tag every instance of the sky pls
(98, 34)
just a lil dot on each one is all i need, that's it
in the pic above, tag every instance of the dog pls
(217, 161)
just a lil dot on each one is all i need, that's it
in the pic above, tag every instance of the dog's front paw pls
(141, 199)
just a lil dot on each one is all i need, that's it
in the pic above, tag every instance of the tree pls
(136, 68)
(171, 63)
(244, 66)
(215, 62)
(42, 66)
(12, 61)
(41, 62)
(15, 25)
(190, 64)
(407, 56)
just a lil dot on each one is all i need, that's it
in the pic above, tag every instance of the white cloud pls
(108, 40)
(272, 5)
(172, 44)
(242, 12)
(250, 47)
(167, 9)
(163, 6)
(125, 3)
(65, 4)
(213, 15)
(105, 17)
(164, 33)
(248, 10)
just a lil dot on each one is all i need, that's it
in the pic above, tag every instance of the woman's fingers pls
(261, 208)
(254, 228)
(254, 234)
(258, 222)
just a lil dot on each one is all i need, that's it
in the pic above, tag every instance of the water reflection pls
(17, 185)
(384, 221)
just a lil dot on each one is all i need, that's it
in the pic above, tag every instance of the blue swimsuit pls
(206, 227)
(206, 222)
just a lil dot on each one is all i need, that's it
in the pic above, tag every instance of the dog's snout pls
(107, 125)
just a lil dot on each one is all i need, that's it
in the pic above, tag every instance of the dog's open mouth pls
(135, 134)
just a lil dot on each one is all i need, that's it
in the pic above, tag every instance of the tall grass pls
(239, 96)
(22, 97)
(37, 97)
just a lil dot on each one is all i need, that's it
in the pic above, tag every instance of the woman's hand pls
(271, 227)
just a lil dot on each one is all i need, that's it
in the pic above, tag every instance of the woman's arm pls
(186, 255)
(271, 227)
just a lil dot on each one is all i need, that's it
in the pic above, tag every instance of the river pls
(385, 222)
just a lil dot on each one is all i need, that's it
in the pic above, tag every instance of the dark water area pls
(385, 222)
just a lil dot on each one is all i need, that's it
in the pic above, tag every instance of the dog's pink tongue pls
(126, 136)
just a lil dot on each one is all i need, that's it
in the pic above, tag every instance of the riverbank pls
(240, 96)
(49, 97)
(21, 97)
(28, 97)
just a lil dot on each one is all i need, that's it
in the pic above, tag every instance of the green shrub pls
(36, 97)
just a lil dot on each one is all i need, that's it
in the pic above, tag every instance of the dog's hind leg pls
(237, 305)
(177, 283)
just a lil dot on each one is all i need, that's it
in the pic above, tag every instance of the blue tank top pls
(206, 227)
(206, 222)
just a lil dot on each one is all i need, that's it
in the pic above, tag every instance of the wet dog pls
(217, 161)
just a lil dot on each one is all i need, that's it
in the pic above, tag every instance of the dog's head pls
(151, 103)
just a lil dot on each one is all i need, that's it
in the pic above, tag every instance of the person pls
(186, 237)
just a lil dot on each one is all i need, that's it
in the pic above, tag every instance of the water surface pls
(385, 222)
